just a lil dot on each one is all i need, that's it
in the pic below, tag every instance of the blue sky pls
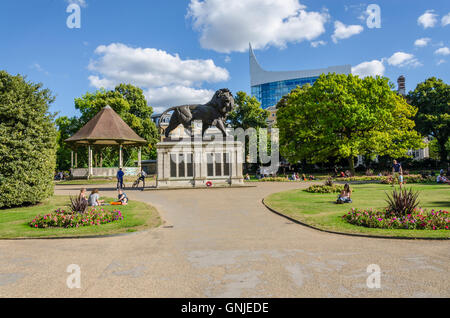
(181, 51)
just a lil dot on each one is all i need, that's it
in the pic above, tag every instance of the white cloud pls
(176, 95)
(422, 42)
(39, 68)
(227, 26)
(166, 78)
(372, 68)
(342, 31)
(446, 19)
(318, 43)
(402, 59)
(442, 51)
(441, 61)
(428, 19)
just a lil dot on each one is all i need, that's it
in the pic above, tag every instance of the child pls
(345, 196)
(123, 199)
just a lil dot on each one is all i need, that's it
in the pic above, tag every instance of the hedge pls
(27, 142)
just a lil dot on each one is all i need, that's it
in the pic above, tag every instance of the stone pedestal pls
(197, 162)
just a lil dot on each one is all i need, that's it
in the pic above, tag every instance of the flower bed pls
(419, 220)
(321, 188)
(61, 218)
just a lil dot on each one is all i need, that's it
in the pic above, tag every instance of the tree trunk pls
(351, 163)
(442, 150)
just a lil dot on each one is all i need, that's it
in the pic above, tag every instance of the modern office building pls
(268, 87)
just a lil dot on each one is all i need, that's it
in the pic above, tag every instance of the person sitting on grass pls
(82, 195)
(345, 196)
(123, 199)
(442, 179)
(94, 198)
(247, 176)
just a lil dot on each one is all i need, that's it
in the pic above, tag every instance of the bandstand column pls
(90, 172)
(120, 156)
(139, 159)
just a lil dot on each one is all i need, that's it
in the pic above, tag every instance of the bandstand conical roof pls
(106, 128)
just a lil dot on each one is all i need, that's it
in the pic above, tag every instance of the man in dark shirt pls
(397, 173)
(120, 175)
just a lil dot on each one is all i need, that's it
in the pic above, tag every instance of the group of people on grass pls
(296, 177)
(397, 174)
(94, 198)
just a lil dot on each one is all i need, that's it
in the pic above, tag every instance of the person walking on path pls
(397, 173)
(142, 175)
(120, 175)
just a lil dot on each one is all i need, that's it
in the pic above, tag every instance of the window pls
(218, 164)
(269, 94)
(181, 165)
(210, 164)
(173, 165)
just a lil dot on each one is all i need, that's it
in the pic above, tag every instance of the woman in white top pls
(94, 199)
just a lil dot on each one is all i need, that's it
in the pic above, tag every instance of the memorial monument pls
(200, 157)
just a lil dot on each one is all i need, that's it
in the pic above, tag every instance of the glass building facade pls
(270, 86)
(269, 94)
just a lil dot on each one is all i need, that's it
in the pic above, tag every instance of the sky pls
(181, 51)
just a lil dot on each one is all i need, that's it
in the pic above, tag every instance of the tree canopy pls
(247, 113)
(343, 116)
(27, 142)
(127, 101)
(432, 98)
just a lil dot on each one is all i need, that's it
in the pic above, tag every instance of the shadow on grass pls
(445, 204)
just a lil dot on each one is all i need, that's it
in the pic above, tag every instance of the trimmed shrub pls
(322, 188)
(60, 218)
(27, 142)
(274, 179)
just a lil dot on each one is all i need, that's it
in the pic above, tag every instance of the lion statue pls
(212, 113)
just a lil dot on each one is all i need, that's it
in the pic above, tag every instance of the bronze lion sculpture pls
(212, 113)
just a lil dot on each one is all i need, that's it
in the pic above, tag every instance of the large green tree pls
(343, 116)
(432, 98)
(247, 113)
(66, 128)
(129, 103)
(27, 142)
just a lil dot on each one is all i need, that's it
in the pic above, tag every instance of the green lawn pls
(319, 210)
(14, 222)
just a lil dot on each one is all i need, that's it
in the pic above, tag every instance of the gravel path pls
(223, 243)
